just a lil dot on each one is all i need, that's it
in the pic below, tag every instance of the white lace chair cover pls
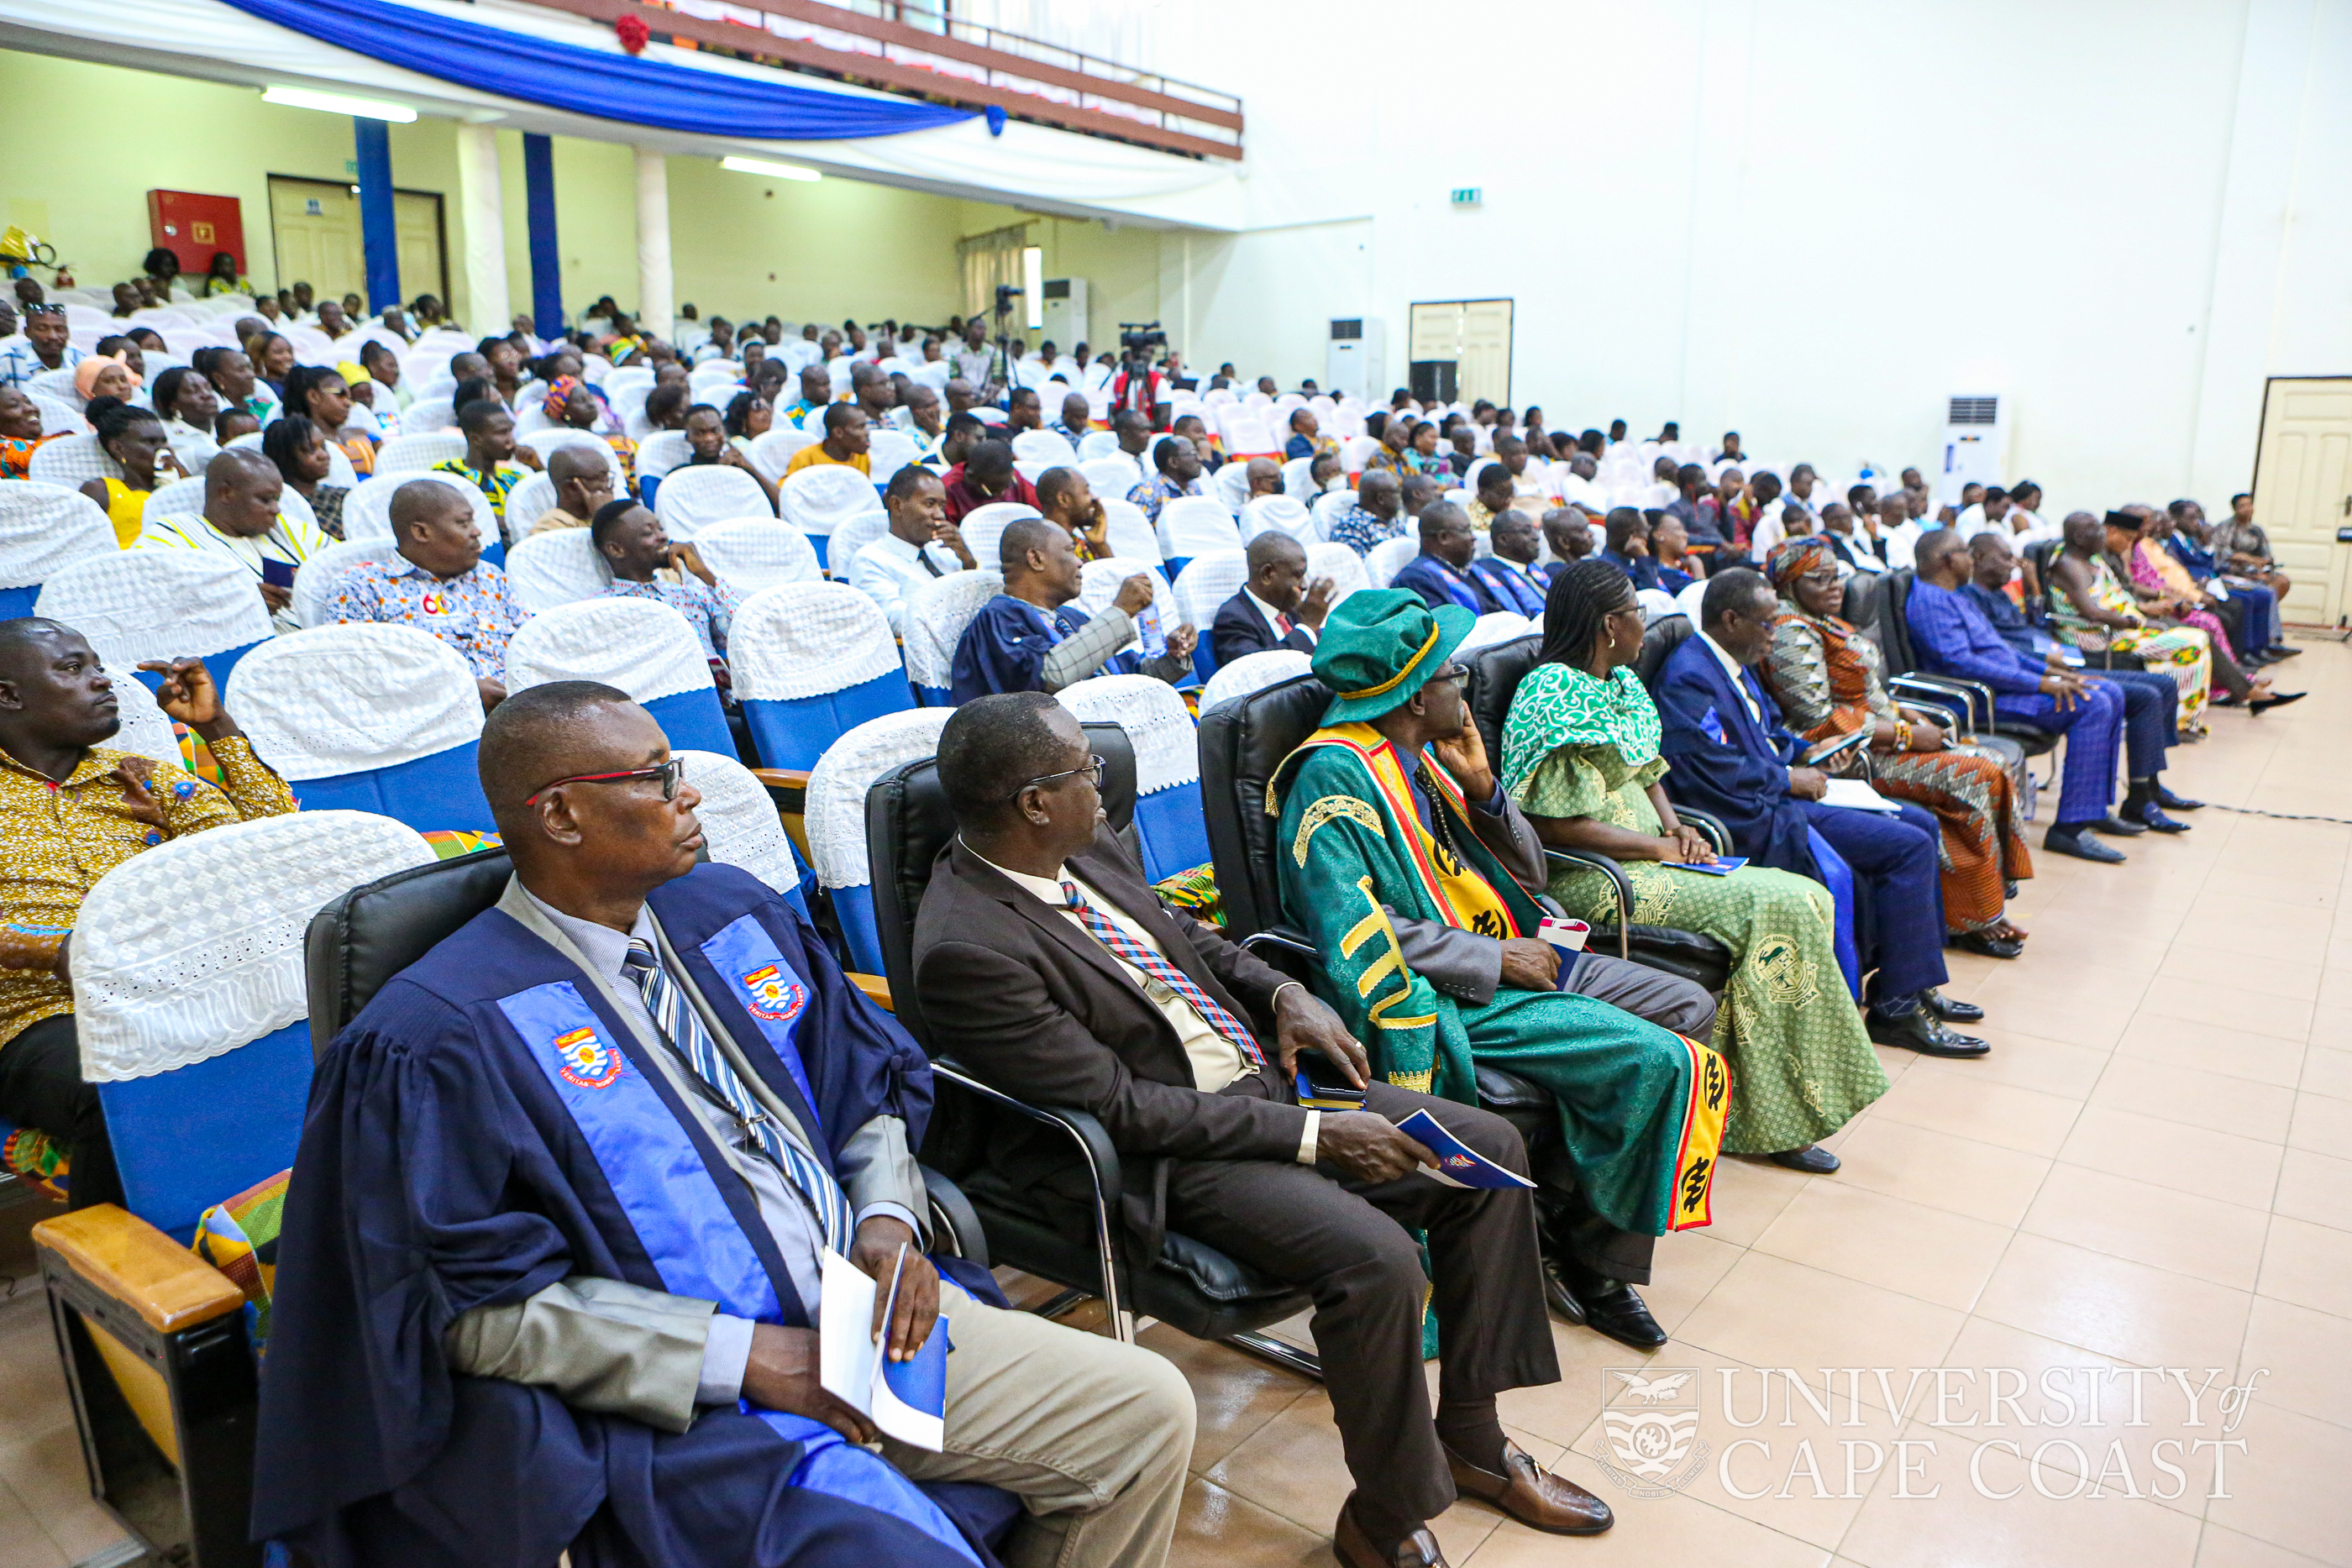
(1390, 557)
(180, 498)
(934, 374)
(1343, 566)
(1096, 443)
(146, 728)
(820, 500)
(157, 604)
(545, 441)
(428, 415)
(1195, 525)
(1113, 474)
(1278, 514)
(738, 819)
(640, 645)
(805, 639)
(195, 947)
(1167, 748)
(1500, 626)
(60, 383)
(936, 617)
(1324, 508)
(353, 698)
(772, 451)
(836, 818)
(415, 453)
(1127, 532)
(57, 416)
(1044, 446)
(887, 450)
(530, 500)
(556, 568)
(70, 461)
(1207, 581)
(661, 452)
(367, 510)
(1098, 582)
(1298, 480)
(45, 528)
(689, 499)
(1230, 486)
(983, 528)
(853, 536)
(1252, 673)
(315, 579)
(752, 553)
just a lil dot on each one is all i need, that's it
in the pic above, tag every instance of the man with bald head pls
(1374, 517)
(1568, 531)
(438, 583)
(1279, 607)
(672, 1122)
(1034, 637)
(583, 483)
(72, 809)
(1510, 572)
(241, 520)
(1078, 418)
(1264, 477)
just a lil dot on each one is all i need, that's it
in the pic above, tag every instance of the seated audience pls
(1837, 536)
(1307, 438)
(1493, 497)
(1731, 755)
(47, 346)
(299, 452)
(1078, 418)
(640, 1287)
(1022, 411)
(747, 419)
(1441, 574)
(184, 401)
(134, 438)
(20, 432)
(273, 360)
(71, 810)
(1511, 572)
(493, 463)
(707, 446)
(1177, 465)
(1627, 546)
(1325, 474)
(573, 402)
(1037, 949)
(2175, 539)
(920, 546)
(816, 393)
(1263, 476)
(583, 483)
(105, 376)
(2091, 610)
(1567, 530)
(2243, 547)
(1279, 607)
(1372, 518)
(1670, 549)
(232, 423)
(1064, 497)
(987, 475)
(438, 582)
(1034, 637)
(636, 549)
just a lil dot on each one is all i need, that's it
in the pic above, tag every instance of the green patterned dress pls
(1801, 1066)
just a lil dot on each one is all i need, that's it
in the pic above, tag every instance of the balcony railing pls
(911, 49)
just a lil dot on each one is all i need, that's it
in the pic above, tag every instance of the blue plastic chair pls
(1168, 823)
(45, 528)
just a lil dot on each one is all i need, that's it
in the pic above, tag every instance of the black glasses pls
(1094, 769)
(44, 308)
(669, 773)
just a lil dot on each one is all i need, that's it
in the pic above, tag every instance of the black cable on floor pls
(2277, 816)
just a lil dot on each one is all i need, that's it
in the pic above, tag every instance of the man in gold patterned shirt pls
(71, 810)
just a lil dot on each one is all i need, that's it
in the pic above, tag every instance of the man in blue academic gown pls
(1730, 754)
(1511, 573)
(550, 1264)
(1032, 637)
(1441, 574)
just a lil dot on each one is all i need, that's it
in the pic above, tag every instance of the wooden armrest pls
(782, 777)
(875, 987)
(138, 1265)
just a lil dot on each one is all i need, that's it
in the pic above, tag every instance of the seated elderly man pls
(1034, 637)
(636, 549)
(71, 810)
(1373, 517)
(583, 484)
(1568, 531)
(241, 520)
(438, 582)
(1178, 463)
(1051, 969)
(589, 1323)
(921, 547)
(1441, 574)
(1279, 607)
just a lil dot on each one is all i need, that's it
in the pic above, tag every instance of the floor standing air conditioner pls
(1976, 445)
(1066, 315)
(1357, 360)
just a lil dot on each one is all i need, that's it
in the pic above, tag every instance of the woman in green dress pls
(1581, 757)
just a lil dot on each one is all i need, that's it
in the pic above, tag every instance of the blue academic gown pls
(1004, 649)
(1725, 762)
(454, 1157)
(1439, 583)
(1515, 587)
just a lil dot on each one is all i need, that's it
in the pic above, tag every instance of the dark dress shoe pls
(1559, 1298)
(2261, 705)
(1530, 1494)
(2151, 816)
(2284, 651)
(2081, 845)
(1351, 1546)
(1813, 1159)
(2172, 803)
(1951, 1009)
(2115, 827)
(1610, 1307)
(2009, 888)
(1991, 946)
(1920, 1032)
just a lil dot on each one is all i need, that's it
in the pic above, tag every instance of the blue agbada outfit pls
(1004, 648)
(488, 1127)
(1726, 762)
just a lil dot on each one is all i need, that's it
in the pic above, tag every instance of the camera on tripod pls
(1006, 294)
(1137, 339)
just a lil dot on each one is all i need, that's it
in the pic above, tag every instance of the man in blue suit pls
(1441, 574)
(1730, 754)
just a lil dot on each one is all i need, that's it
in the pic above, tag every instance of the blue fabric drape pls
(590, 81)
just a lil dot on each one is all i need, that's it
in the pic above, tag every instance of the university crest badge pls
(584, 1060)
(773, 996)
(1649, 1441)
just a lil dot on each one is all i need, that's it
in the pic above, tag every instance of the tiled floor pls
(2153, 1171)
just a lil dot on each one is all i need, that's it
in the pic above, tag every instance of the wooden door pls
(1475, 334)
(2303, 491)
(316, 226)
(424, 258)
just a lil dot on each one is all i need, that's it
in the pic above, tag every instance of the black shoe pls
(1920, 1032)
(1559, 1298)
(1813, 1159)
(2284, 651)
(1610, 1308)
(2081, 845)
(2261, 705)
(2227, 699)
(2172, 803)
(2151, 816)
(1950, 1009)
(2115, 828)
(2009, 888)
(1991, 948)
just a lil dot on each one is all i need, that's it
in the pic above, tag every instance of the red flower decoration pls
(633, 33)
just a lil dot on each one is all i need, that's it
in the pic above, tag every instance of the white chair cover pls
(554, 568)
(367, 510)
(887, 450)
(528, 502)
(352, 697)
(1658, 603)
(690, 498)
(738, 819)
(820, 500)
(640, 645)
(983, 528)
(157, 604)
(70, 461)
(146, 728)
(426, 415)
(1326, 507)
(835, 817)
(661, 452)
(195, 947)
(1298, 480)
(1230, 485)
(1343, 566)
(45, 528)
(1098, 582)
(1252, 673)
(1167, 748)
(756, 552)
(1195, 525)
(57, 416)
(415, 453)
(805, 639)
(1128, 531)
(1207, 581)
(1500, 626)
(772, 451)
(1046, 446)
(1113, 475)
(180, 498)
(853, 536)
(315, 579)
(1390, 557)
(936, 617)
(1278, 514)
(1096, 443)
(60, 383)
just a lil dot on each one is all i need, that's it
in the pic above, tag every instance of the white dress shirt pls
(1734, 669)
(1277, 618)
(890, 570)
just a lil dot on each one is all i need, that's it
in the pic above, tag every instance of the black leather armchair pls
(1904, 679)
(1191, 1286)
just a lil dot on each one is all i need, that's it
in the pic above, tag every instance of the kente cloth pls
(1642, 1109)
(489, 1126)
(2184, 652)
(1560, 705)
(1005, 647)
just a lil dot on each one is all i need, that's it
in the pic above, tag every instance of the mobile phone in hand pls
(279, 572)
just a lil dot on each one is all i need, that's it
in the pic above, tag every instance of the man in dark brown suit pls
(1048, 967)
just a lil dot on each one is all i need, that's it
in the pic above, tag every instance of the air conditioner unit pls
(1976, 444)
(1356, 359)
(1066, 314)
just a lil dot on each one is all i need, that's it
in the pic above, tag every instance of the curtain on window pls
(987, 260)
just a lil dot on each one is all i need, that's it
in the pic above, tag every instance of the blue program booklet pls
(1722, 865)
(1458, 1165)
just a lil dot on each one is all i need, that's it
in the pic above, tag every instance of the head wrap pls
(1794, 558)
(87, 372)
(559, 393)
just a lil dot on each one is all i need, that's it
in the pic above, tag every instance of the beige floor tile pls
(2317, 1189)
(2307, 887)
(1679, 1530)
(2178, 1042)
(1233, 1393)
(22, 1543)
(2202, 1002)
(1890, 1242)
(2330, 1026)
(2308, 1356)
(1688, 1265)
(2322, 1125)
(2022, 1119)
(2200, 1236)
(2287, 1486)
(2080, 982)
(2215, 1101)
(2308, 1264)
(2171, 1155)
(2054, 1015)
(2227, 1549)
(1750, 1196)
(1292, 1466)
(2025, 1061)
(1557, 1413)
(1770, 1312)
(1219, 1530)
(2129, 1311)
(1957, 1174)
(2063, 942)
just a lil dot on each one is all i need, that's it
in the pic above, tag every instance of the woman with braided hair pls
(1581, 757)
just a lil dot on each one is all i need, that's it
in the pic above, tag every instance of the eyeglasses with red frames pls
(669, 773)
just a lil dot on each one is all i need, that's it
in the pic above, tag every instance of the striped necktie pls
(681, 1028)
(1127, 950)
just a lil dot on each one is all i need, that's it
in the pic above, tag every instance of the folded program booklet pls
(907, 1399)
(1458, 1165)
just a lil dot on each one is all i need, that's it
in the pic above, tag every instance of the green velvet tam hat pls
(1379, 646)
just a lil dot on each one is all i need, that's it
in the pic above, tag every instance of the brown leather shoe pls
(1353, 1548)
(1533, 1496)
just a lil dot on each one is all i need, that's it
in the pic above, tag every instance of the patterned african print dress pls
(1828, 680)
(2181, 652)
(1801, 1066)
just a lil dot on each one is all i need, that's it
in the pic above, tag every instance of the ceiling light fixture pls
(339, 104)
(772, 170)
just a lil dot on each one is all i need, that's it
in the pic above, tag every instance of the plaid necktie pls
(681, 1027)
(1127, 949)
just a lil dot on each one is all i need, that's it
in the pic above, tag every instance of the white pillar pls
(654, 284)
(483, 215)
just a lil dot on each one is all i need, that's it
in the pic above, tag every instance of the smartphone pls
(281, 572)
(1827, 749)
(1322, 1087)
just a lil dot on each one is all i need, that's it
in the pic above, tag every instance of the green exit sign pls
(1468, 195)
